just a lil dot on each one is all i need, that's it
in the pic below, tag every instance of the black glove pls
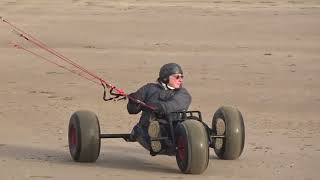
(132, 106)
(135, 96)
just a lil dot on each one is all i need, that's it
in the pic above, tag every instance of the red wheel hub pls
(73, 136)
(181, 147)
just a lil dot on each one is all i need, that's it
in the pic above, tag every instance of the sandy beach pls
(262, 57)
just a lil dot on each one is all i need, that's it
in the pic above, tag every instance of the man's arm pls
(134, 107)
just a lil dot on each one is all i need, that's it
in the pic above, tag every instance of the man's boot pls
(154, 133)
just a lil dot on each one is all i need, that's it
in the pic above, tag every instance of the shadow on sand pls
(117, 157)
(114, 157)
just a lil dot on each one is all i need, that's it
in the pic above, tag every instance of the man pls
(166, 95)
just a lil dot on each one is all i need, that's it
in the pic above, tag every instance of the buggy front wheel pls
(84, 136)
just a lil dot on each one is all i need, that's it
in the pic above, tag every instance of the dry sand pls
(260, 56)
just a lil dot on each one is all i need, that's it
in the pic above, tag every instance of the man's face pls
(175, 80)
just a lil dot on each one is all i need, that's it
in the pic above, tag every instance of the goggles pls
(177, 76)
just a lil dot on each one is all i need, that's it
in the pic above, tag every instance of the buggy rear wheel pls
(84, 136)
(228, 122)
(192, 147)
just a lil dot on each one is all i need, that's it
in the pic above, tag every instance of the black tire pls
(84, 136)
(231, 146)
(192, 147)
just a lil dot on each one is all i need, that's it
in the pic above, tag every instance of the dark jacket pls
(154, 93)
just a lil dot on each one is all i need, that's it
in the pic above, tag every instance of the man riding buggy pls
(166, 95)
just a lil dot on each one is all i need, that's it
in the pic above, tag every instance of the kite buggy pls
(186, 136)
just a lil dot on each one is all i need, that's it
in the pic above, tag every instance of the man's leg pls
(140, 135)
(145, 131)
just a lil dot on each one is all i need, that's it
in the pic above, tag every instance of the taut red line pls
(96, 79)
